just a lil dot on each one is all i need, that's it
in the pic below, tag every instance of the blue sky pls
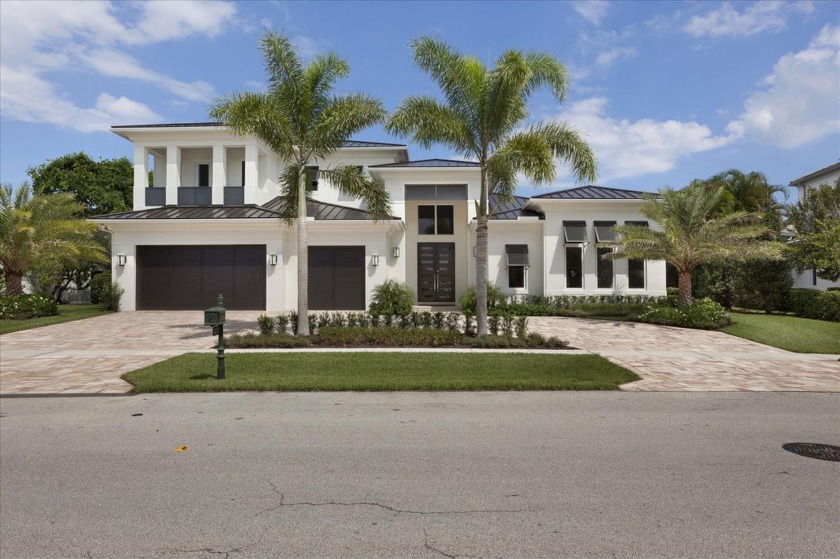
(664, 91)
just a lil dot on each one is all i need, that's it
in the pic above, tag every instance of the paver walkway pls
(88, 356)
(680, 359)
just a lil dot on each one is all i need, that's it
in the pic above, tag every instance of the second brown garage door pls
(337, 278)
(191, 277)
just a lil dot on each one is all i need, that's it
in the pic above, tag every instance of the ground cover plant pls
(364, 371)
(66, 313)
(802, 335)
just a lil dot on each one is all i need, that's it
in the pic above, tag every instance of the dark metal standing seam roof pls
(323, 211)
(197, 212)
(593, 193)
(428, 163)
(347, 144)
(511, 211)
(824, 171)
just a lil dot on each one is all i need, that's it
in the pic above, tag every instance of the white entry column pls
(219, 175)
(251, 159)
(173, 174)
(141, 176)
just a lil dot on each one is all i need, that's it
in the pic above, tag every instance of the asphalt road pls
(419, 475)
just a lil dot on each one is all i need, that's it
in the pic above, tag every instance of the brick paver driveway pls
(679, 359)
(88, 356)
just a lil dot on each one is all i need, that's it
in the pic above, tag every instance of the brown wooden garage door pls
(337, 278)
(191, 277)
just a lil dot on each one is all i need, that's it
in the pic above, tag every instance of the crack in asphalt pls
(226, 554)
(434, 549)
(395, 510)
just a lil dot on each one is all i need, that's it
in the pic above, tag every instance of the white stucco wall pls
(806, 279)
(557, 211)
(528, 231)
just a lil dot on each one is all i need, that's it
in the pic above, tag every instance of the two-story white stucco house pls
(827, 175)
(209, 225)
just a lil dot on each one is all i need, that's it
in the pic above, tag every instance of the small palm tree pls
(481, 117)
(746, 192)
(302, 120)
(42, 232)
(692, 234)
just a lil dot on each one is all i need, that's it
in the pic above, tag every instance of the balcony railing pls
(234, 195)
(156, 196)
(195, 196)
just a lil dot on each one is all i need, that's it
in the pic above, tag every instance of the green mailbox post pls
(215, 317)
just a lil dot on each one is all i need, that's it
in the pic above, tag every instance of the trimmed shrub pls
(281, 323)
(810, 303)
(702, 313)
(98, 284)
(392, 298)
(109, 298)
(494, 298)
(249, 340)
(388, 336)
(20, 307)
(266, 324)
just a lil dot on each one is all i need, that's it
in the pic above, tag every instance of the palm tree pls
(302, 120)
(42, 232)
(481, 117)
(746, 192)
(691, 234)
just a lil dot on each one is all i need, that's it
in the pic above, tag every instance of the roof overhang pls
(816, 174)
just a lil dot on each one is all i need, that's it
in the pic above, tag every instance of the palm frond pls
(426, 121)
(341, 118)
(350, 180)
(289, 185)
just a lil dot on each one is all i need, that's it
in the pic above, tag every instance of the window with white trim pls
(516, 257)
(435, 220)
(636, 268)
(203, 174)
(604, 269)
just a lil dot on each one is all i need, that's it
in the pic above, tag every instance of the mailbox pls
(214, 316)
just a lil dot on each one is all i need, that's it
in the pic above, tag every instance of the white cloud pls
(41, 38)
(593, 11)
(800, 101)
(606, 58)
(727, 21)
(307, 47)
(627, 148)
(29, 98)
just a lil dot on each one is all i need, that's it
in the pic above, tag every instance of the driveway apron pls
(680, 359)
(88, 356)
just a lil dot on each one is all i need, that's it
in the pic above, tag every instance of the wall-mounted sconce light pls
(374, 260)
(272, 259)
(475, 251)
(121, 260)
(396, 252)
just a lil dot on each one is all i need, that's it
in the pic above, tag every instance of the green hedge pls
(809, 303)
(20, 307)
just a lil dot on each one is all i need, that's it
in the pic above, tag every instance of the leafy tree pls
(41, 233)
(482, 117)
(302, 120)
(103, 187)
(747, 192)
(691, 234)
(816, 220)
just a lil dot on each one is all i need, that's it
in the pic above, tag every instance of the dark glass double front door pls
(436, 272)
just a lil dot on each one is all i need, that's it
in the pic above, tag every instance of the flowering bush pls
(18, 307)
(701, 313)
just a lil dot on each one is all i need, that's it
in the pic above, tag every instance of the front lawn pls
(366, 371)
(66, 313)
(802, 335)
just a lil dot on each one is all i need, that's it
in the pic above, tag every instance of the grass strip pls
(66, 313)
(800, 335)
(364, 371)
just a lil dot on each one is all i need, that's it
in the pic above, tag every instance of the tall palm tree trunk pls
(481, 259)
(14, 285)
(684, 293)
(303, 261)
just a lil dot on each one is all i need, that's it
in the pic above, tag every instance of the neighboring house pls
(827, 175)
(210, 225)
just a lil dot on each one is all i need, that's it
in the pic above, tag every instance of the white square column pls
(173, 174)
(219, 175)
(251, 159)
(141, 176)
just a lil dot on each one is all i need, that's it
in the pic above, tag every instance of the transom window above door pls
(435, 220)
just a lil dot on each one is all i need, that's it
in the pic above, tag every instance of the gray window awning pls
(517, 255)
(575, 231)
(637, 223)
(604, 232)
(435, 192)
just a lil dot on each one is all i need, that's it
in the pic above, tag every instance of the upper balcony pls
(198, 176)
